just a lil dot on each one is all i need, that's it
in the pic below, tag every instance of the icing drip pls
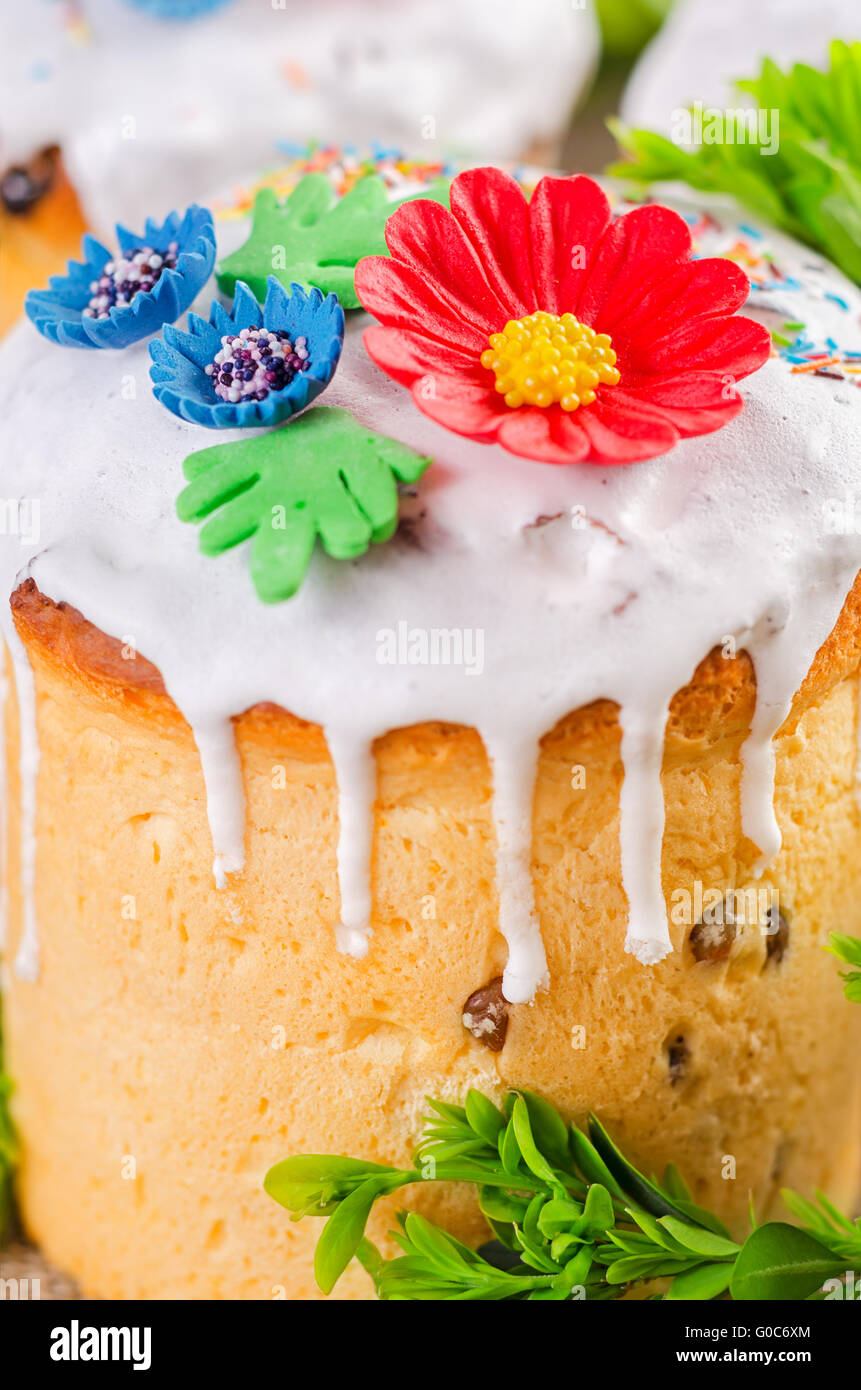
(513, 789)
(27, 956)
(759, 766)
(641, 830)
(356, 776)
(225, 795)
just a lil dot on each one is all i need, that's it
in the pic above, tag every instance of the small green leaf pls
(307, 1180)
(498, 1205)
(656, 1233)
(509, 1150)
(701, 1283)
(561, 1244)
(484, 1117)
(629, 1271)
(598, 1215)
(560, 1215)
(699, 1241)
(342, 1235)
(532, 1157)
(780, 1262)
(548, 1129)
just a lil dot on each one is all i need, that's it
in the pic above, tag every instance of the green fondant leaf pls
(314, 237)
(324, 476)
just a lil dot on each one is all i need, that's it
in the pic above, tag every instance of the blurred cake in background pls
(704, 48)
(152, 100)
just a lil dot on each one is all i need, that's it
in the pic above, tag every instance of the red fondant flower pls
(456, 279)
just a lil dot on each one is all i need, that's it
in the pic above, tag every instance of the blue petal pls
(58, 311)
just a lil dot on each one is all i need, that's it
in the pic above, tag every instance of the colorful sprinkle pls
(255, 361)
(123, 278)
(344, 167)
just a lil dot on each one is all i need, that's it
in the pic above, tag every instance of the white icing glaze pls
(27, 956)
(643, 570)
(703, 48)
(148, 113)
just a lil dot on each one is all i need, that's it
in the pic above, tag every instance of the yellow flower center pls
(547, 358)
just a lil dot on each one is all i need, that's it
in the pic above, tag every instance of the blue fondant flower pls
(179, 9)
(179, 376)
(63, 313)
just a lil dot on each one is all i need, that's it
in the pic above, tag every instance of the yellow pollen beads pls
(548, 359)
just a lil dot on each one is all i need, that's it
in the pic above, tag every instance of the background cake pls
(150, 103)
(702, 51)
(449, 814)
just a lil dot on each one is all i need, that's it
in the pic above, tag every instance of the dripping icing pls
(356, 781)
(513, 769)
(641, 829)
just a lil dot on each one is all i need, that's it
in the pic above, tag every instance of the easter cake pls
(497, 728)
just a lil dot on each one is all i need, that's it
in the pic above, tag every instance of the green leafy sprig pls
(8, 1147)
(811, 185)
(848, 949)
(570, 1218)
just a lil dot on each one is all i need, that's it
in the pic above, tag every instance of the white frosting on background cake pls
(642, 571)
(149, 111)
(704, 48)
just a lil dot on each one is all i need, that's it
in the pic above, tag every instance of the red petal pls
(464, 407)
(401, 298)
(694, 402)
(620, 431)
(406, 356)
(426, 237)
(708, 288)
(641, 247)
(541, 435)
(494, 216)
(566, 216)
(734, 346)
